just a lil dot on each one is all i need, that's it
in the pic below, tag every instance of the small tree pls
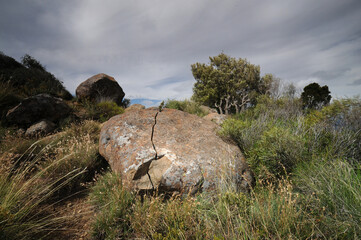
(30, 62)
(226, 83)
(290, 91)
(315, 96)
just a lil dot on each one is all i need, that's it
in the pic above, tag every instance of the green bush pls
(102, 111)
(268, 144)
(107, 110)
(275, 139)
(278, 150)
(244, 132)
(187, 106)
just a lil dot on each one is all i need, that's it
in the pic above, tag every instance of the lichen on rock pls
(188, 156)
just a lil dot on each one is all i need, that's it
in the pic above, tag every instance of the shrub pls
(102, 111)
(187, 106)
(107, 110)
(282, 108)
(270, 146)
(278, 150)
(335, 131)
(125, 103)
(275, 139)
(244, 132)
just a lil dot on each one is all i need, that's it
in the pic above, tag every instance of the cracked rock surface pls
(190, 156)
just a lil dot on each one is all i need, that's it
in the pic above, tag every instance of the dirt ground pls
(78, 214)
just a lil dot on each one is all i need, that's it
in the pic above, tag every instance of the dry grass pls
(40, 175)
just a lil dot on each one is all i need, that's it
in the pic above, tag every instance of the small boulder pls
(135, 107)
(216, 118)
(33, 109)
(41, 128)
(188, 156)
(100, 87)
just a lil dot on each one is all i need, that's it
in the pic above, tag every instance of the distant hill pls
(25, 79)
(30, 78)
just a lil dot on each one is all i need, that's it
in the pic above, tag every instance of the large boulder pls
(189, 155)
(100, 87)
(33, 109)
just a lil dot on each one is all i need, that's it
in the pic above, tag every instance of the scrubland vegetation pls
(307, 163)
(187, 106)
(308, 168)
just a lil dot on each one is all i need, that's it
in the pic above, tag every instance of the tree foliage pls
(30, 62)
(315, 96)
(227, 83)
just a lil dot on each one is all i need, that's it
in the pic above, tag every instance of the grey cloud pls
(166, 81)
(331, 74)
(148, 46)
(356, 83)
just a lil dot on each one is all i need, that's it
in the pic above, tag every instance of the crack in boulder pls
(151, 138)
(193, 155)
(144, 168)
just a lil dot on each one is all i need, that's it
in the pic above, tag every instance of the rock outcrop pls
(216, 118)
(170, 151)
(100, 87)
(36, 108)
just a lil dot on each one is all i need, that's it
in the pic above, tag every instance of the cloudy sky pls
(149, 45)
